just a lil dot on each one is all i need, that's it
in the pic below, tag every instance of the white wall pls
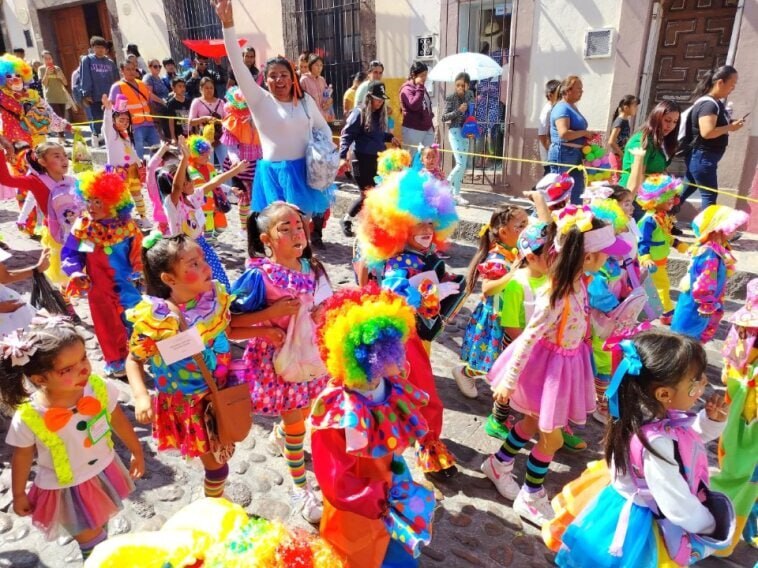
(558, 51)
(143, 22)
(398, 23)
(262, 27)
(12, 9)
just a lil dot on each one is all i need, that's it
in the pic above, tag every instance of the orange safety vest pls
(137, 101)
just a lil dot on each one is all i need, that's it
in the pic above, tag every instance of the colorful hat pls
(363, 331)
(597, 190)
(658, 189)
(717, 219)
(533, 238)
(120, 105)
(555, 187)
(602, 239)
(747, 316)
(610, 211)
(198, 145)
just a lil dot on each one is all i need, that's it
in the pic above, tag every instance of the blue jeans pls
(458, 144)
(702, 169)
(94, 114)
(144, 137)
(567, 155)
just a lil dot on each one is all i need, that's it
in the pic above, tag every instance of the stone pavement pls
(474, 525)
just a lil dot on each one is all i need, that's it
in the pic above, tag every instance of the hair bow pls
(484, 230)
(151, 240)
(573, 216)
(630, 365)
(18, 347)
(45, 320)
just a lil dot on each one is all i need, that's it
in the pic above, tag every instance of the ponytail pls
(709, 79)
(569, 263)
(159, 259)
(628, 100)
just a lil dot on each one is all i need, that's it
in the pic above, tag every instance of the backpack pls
(63, 208)
(686, 137)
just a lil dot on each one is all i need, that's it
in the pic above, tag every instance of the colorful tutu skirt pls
(211, 257)
(286, 181)
(484, 339)
(270, 393)
(179, 423)
(557, 384)
(88, 505)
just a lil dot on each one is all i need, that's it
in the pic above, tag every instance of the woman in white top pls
(208, 108)
(284, 116)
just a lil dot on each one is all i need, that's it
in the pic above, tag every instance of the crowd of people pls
(574, 301)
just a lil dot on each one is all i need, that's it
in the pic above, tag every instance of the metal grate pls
(598, 43)
(331, 29)
(189, 19)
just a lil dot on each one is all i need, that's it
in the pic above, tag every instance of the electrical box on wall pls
(598, 43)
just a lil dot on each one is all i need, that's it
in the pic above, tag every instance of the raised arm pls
(251, 91)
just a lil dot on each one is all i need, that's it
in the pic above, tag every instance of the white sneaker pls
(499, 473)
(466, 384)
(533, 507)
(461, 201)
(600, 417)
(95, 141)
(276, 441)
(309, 503)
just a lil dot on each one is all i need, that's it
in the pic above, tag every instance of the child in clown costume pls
(658, 194)
(204, 175)
(738, 446)
(242, 142)
(102, 255)
(15, 73)
(374, 514)
(403, 222)
(699, 309)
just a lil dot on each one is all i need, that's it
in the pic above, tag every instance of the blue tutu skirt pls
(588, 539)
(286, 181)
(484, 339)
(211, 257)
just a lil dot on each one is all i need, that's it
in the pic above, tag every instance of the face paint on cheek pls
(424, 241)
(191, 276)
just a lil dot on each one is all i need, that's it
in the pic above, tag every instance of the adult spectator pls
(284, 128)
(97, 74)
(248, 56)
(710, 125)
(314, 84)
(20, 52)
(155, 82)
(374, 73)
(456, 111)
(208, 108)
(133, 50)
(36, 83)
(568, 134)
(657, 137)
(348, 99)
(200, 71)
(138, 100)
(416, 106)
(54, 84)
(169, 65)
(302, 63)
(179, 106)
(131, 58)
(543, 130)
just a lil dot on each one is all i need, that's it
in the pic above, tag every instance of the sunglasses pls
(155, 66)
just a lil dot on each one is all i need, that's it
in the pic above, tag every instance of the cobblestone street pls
(474, 525)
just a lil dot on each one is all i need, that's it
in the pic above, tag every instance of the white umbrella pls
(477, 65)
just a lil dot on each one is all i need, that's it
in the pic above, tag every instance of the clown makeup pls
(97, 210)
(121, 122)
(15, 82)
(684, 395)
(190, 274)
(71, 370)
(508, 234)
(421, 236)
(287, 238)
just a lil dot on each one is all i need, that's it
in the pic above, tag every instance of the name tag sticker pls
(181, 346)
(98, 427)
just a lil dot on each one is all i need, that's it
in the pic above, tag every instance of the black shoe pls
(444, 474)
(317, 243)
(676, 231)
(735, 237)
(347, 227)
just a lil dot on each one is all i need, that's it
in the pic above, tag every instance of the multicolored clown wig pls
(392, 160)
(657, 190)
(717, 219)
(198, 145)
(235, 100)
(107, 186)
(364, 330)
(395, 206)
(610, 211)
(14, 72)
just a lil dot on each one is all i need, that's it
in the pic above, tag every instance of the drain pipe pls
(735, 38)
(509, 89)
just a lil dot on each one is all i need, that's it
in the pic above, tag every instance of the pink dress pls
(549, 366)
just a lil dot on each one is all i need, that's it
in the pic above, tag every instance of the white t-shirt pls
(19, 319)
(183, 218)
(544, 128)
(86, 462)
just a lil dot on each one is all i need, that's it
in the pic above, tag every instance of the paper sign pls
(181, 346)
(419, 278)
(86, 246)
(98, 427)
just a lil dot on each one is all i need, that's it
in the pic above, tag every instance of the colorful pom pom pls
(392, 160)
(108, 187)
(198, 145)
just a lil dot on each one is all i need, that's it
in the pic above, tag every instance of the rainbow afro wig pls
(657, 190)
(364, 330)
(235, 100)
(392, 160)
(717, 219)
(399, 203)
(107, 186)
(198, 145)
(610, 211)
(11, 65)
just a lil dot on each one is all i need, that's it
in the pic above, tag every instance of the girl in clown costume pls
(699, 309)
(102, 255)
(403, 222)
(374, 514)
(68, 422)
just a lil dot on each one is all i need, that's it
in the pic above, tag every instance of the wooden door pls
(73, 42)
(694, 38)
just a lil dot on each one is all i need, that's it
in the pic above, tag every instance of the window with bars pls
(331, 29)
(189, 19)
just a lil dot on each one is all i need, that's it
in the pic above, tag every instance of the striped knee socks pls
(135, 188)
(215, 479)
(512, 445)
(536, 470)
(294, 437)
(601, 385)
(87, 547)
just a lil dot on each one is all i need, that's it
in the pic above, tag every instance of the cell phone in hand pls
(744, 117)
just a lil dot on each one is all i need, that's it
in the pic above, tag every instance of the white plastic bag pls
(322, 157)
(298, 359)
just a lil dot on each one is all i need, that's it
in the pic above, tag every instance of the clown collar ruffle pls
(105, 233)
